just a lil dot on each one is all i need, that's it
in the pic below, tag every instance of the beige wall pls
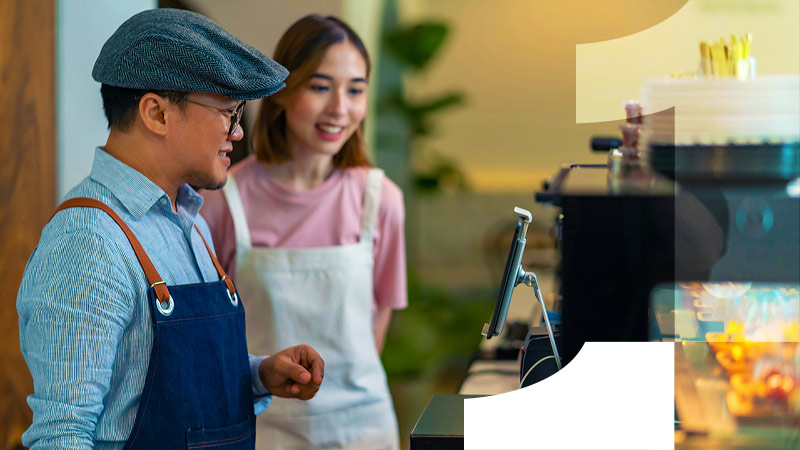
(672, 46)
(261, 23)
(535, 76)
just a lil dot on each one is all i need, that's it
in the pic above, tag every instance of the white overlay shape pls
(612, 395)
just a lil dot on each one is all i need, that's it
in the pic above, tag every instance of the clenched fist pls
(295, 372)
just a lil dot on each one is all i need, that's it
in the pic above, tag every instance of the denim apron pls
(198, 390)
(323, 297)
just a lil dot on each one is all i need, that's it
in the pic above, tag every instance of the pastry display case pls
(737, 362)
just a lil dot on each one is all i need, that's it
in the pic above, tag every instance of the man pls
(133, 333)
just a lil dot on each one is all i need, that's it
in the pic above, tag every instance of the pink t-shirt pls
(325, 216)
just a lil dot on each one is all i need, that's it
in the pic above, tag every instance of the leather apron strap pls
(153, 278)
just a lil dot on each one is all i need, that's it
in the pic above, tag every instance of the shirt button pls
(163, 201)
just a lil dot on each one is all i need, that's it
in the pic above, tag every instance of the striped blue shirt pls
(84, 320)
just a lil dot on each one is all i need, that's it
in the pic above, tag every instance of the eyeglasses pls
(235, 115)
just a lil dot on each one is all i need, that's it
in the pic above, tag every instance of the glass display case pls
(737, 362)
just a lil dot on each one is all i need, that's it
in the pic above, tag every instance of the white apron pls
(322, 297)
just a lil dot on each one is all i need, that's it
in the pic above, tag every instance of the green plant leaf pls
(418, 113)
(443, 101)
(418, 44)
(436, 328)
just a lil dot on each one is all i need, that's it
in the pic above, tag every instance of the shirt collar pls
(135, 191)
(189, 200)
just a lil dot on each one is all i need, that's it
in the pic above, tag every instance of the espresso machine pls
(621, 236)
(697, 245)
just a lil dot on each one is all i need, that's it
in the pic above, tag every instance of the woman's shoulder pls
(391, 195)
(359, 175)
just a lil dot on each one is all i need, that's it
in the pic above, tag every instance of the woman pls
(314, 237)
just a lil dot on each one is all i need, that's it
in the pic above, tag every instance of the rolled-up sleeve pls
(73, 305)
(261, 394)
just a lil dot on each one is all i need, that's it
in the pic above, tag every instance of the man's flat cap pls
(176, 50)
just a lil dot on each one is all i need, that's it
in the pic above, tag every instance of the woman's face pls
(322, 115)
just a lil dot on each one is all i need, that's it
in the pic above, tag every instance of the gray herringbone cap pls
(176, 50)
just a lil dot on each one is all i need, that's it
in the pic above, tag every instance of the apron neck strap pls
(150, 272)
(372, 199)
(240, 228)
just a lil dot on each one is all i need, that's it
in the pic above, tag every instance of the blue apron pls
(198, 390)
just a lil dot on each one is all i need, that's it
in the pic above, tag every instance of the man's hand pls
(293, 372)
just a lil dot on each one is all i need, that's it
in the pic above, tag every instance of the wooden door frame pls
(27, 181)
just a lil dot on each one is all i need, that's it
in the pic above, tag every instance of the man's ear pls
(153, 113)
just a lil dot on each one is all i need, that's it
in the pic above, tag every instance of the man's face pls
(201, 142)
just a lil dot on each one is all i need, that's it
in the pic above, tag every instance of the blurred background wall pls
(532, 82)
(82, 28)
(538, 74)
